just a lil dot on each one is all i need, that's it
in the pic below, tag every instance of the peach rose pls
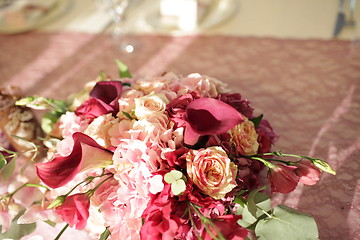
(150, 104)
(244, 137)
(211, 171)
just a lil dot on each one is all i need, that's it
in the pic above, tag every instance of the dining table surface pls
(282, 57)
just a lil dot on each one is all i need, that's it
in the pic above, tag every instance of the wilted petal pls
(86, 153)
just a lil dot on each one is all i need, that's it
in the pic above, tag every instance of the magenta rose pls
(85, 154)
(75, 210)
(104, 99)
(282, 178)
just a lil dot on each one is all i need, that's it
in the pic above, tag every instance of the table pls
(308, 89)
(306, 83)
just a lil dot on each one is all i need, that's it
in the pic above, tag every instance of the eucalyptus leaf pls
(17, 231)
(123, 69)
(251, 202)
(8, 169)
(263, 205)
(287, 223)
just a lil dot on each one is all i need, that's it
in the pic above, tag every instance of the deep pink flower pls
(308, 173)
(85, 154)
(208, 116)
(75, 210)
(162, 219)
(104, 99)
(282, 178)
(227, 225)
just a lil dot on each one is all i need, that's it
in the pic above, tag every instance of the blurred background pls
(276, 18)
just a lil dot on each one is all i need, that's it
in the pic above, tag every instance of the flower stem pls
(22, 186)
(61, 232)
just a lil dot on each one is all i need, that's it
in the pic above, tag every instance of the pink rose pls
(308, 173)
(85, 154)
(75, 210)
(283, 178)
(211, 171)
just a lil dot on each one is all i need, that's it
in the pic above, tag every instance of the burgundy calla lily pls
(104, 99)
(208, 116)
(86, 154)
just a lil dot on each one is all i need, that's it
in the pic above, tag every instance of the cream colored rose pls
(150, 104)
(99, 129)
(244, 137)
(212, 171)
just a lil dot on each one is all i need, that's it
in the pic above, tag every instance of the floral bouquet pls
(166, 157)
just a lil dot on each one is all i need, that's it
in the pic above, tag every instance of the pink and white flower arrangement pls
(167, 157)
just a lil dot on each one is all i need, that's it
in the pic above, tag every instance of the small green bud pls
(323, 166)
(57, 202)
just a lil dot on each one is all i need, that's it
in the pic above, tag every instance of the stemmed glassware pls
(116, 9)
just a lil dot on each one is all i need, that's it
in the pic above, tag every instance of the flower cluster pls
(166, 157)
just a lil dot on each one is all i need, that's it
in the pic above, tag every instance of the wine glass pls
(116, 9)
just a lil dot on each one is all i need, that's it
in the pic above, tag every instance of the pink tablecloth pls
(308, 89)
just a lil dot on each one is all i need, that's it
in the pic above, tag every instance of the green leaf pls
(105, 234)
(48, 120)
(263, 205)
(173, 176)
(324, 166)
(57, 201)
(102, 75)
(287, 223)
(51, 223)
(257, 120)
(178, 187)
(251, 202)
(123, 69)
(17, 231)
(8, 169)
(127, 115)
(3, 161)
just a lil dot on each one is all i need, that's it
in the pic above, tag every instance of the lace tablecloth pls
(308, 89)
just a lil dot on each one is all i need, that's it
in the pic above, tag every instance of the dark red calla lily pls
(209, 116)
(104, 99)
(86, 154)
